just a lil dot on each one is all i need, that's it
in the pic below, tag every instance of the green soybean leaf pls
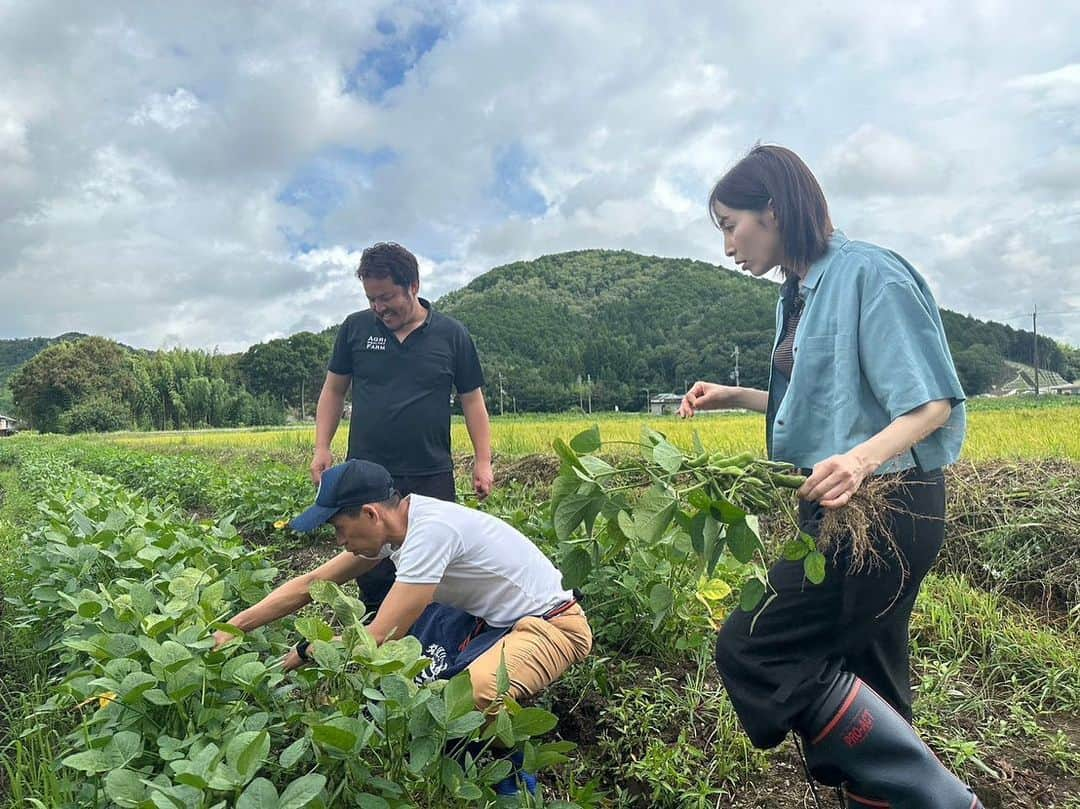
(794, 550)
(502, 678)
(458, 695)
(570, 512)
(124, 747)
(725, 511)
(586, 441)
(327, 655)
(260, 794)
(712, 542)
(89, 761)
(124, 788)
(575, 567)
(653, 515)
(332, 736)
(660, 599)
(302, 791)
(533, 722)
(751, 594)
(596, 467)
(699, 499)
(814, 566)
(743, 539)
(294, 753)
(669, 457)
(369, 801)
(314, 628)
(568, 456)
(421, 752)
(135, 684)
(248, 751)
(464, 725)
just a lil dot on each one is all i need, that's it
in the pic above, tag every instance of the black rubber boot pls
(852, 735)
(855, 797)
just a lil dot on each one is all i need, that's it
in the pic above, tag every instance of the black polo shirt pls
(401, 391)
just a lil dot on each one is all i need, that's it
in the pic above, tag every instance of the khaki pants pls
(537, 652)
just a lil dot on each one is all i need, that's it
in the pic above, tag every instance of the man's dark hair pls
(389, 260)
(776, 174)
(390, 502)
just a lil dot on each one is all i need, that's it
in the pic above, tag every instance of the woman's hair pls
(778, 175)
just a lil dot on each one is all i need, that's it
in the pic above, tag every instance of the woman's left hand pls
(835, 480)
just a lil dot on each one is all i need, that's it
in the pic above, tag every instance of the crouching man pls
(446, 554)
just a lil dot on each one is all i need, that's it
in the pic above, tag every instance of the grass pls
(1019, 429)
(26, 739)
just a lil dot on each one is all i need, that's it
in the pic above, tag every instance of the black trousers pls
(853, 622)
(376, 583)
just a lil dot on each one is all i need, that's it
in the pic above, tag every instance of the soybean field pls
(120, 555)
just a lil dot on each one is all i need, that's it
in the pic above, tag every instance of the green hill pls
(631, 322)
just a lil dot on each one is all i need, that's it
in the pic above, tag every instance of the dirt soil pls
(1029, 782)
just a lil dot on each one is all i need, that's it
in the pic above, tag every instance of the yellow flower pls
(106, 698)
(280, 524)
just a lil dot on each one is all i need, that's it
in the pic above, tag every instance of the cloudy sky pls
(206, 175)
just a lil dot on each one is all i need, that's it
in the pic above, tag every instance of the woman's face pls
(752, 238)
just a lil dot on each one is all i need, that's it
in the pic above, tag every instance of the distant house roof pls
(665, 398)
(1025, 378)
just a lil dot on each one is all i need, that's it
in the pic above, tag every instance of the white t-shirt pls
(481, 564)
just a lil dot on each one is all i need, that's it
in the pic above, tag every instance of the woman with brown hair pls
(861, 384)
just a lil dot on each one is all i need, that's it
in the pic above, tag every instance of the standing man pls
(403, 360)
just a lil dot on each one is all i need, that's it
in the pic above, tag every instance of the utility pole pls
(647, 398)
(303, 412)
(735, 354)
(502, 393)
(589, 378)
(1035, 332)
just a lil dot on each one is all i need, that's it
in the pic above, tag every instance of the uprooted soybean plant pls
(672, 528)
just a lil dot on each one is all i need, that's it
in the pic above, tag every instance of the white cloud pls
(170, 111)
(201, 173)
(872, 162)
(1054, 88)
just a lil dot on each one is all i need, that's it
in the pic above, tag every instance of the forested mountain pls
(633, 322)
(604, 325)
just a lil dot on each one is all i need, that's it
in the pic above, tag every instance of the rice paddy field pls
(996, 430)
(118, 553)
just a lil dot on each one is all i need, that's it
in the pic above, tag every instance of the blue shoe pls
(510, 784)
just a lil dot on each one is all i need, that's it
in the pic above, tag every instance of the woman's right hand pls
(704, 396)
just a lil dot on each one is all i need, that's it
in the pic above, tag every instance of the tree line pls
(96, 385)
(599, 327)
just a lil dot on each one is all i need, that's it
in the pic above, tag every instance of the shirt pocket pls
(814, 369)
(820, 386)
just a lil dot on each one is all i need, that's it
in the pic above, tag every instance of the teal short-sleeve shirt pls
(869, 347)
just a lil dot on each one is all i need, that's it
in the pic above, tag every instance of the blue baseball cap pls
(348, 485)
